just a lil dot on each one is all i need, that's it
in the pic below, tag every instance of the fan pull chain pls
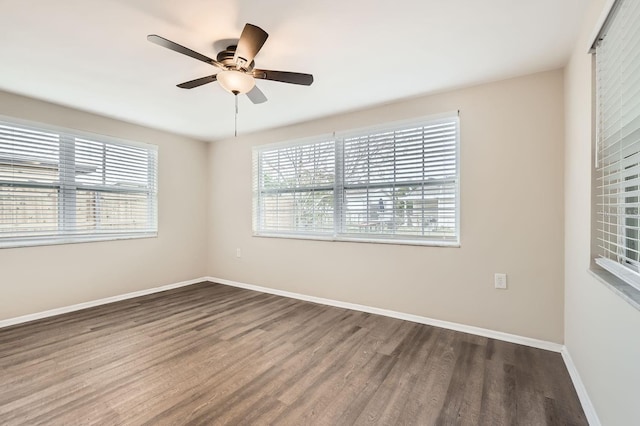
(235, 133)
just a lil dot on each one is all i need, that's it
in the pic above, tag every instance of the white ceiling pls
(93, 54)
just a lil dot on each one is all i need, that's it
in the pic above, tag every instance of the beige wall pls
(35, 279)
(511, 218)
(602, 331)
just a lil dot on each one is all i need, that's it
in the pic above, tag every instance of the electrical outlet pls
(500, 281)
(238, 252)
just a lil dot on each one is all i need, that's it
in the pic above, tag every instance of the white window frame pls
(68, 188)
(611, 239)
(339, 233)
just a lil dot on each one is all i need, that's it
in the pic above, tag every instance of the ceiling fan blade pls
(256, 96)
(251, 41)
(197, 82)
(161, 41)
(284, 77)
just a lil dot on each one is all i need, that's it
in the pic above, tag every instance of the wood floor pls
(213, 354)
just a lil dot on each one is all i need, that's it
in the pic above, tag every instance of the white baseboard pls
(581, 390)
(90, 304)
(513, 338)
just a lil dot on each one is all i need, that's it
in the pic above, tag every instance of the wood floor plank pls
(214, 354)
(462, 400)
(388, 402)
(430, 389)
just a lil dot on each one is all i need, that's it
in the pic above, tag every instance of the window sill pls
(619, 287)
(347, 239)
(70, 240)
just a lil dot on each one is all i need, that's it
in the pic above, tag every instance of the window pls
(59, 186)
(617, 186)
(396, 183)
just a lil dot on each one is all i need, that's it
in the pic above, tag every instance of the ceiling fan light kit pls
(236, 82)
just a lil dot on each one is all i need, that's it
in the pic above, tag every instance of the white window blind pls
(618, 142)
(296, 188)
(58, 186)
(402, 182)
(396, 183)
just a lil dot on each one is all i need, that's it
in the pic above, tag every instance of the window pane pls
(411, 211)
(108, 212)
(296, 188)
(105, 164)
(28, 211)
(407, 155)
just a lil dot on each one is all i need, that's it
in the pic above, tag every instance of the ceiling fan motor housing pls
(226, 58)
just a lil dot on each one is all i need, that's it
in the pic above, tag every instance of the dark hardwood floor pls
(213, 354)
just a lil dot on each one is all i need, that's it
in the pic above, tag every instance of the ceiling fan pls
(237, 72)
